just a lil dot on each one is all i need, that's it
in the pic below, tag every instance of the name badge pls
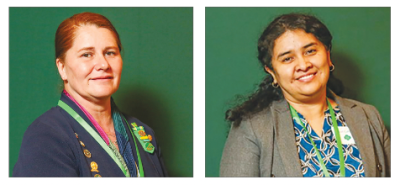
(345, 135)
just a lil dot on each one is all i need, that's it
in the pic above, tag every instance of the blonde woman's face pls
(301, 65)
(92, 66)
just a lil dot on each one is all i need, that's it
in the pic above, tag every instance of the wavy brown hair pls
(266, 94)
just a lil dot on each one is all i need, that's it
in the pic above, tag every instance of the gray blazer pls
(264, 144)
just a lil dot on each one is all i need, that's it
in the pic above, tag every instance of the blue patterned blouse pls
(328, 148)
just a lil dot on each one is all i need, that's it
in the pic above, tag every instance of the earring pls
(331, 68)
(275, 85)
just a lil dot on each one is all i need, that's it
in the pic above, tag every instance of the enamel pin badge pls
(143, 138)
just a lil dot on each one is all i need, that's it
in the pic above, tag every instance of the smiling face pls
(301, 65)
(92, 66)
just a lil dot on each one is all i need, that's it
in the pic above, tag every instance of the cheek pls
(322, 60)
(78, 71)
(285, 74)
(117, 66)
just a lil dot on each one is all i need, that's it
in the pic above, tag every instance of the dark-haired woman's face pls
(301, 65)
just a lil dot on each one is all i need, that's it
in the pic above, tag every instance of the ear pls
(270, 72)
(61, 69)
(329, 58)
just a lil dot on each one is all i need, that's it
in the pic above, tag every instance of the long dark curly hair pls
(266, 94)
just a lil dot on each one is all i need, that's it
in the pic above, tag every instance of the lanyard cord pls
(338, 140)
(141, 171)
(337, 135)
(93, 133)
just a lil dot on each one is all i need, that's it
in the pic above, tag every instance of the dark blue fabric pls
(327, 146)
(125, 150)
(50, 149)
(122, 140)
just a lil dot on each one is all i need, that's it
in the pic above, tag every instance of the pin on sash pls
(143, 138)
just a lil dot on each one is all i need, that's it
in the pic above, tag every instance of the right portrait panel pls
(298, 92)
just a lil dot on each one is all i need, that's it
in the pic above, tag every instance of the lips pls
(102, 78)
(306, 77)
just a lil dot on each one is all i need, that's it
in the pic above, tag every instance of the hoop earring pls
(275, 85)
(331, 68)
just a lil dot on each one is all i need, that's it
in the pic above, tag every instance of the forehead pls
(91, 35)
(293, 40)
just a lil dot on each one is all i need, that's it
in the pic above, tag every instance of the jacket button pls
(379, 167)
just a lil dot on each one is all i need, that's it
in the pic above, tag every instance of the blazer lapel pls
(149, 161)
(358, 124)
(284, 134)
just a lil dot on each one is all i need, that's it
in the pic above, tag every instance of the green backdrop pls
(157, 76)
(361, 54)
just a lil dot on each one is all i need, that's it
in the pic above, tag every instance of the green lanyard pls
(97, 137)
(141, 171)
(337, 135)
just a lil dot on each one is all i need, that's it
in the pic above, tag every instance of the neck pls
(313, 110)
(309, 107)
(99, 109)
(316, 108)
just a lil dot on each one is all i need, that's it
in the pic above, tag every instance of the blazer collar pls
(355, 118)
(285, 138)
(357, 121)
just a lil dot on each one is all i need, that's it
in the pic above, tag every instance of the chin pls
(103, 93)
(310, 91)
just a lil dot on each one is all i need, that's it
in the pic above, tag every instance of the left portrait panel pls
(100, 92)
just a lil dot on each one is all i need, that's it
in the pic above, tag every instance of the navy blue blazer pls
(50, 148)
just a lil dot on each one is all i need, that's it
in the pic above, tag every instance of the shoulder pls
(45, 144)
(256, 121)
(351, 102)
(248, 144)
(369, 110)
(267, 117)
(257, 127)
(51, 124)
(259, 116)
(49, 129)
(51, 121)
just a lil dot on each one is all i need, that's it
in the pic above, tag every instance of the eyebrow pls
(92, 48)
(86, 48)
(111, 47)
(284, 53)
(308, 45)
(288, 52)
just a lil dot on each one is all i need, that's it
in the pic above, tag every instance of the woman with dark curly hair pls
(295, 124)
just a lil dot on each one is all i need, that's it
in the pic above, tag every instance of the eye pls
(87, 55)
(311, 51)
(110, 53)
(287, 59)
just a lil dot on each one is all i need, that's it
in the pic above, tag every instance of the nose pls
(101, 63)
(303, 64)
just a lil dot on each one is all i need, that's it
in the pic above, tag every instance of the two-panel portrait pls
(289, 92)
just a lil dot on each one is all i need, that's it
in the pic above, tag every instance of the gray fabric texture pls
(264, 144)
